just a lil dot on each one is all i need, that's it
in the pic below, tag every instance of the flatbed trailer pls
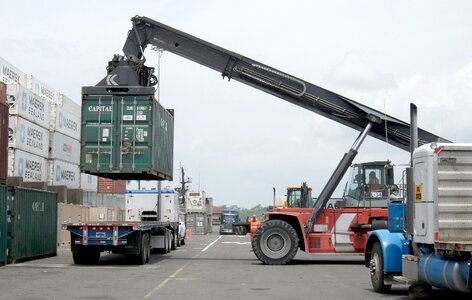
(137, 240)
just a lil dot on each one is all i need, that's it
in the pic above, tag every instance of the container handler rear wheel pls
(376, 270)
(275, 242)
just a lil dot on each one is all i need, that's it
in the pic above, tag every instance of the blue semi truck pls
(228, 217)
(428, 242)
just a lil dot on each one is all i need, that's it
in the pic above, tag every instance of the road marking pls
(163, 283)
(27, 265)
(238, 243)
(173, 276)
(206, 248)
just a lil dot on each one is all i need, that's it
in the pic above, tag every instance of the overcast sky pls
(237, 142)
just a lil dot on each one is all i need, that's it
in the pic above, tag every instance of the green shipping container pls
(31, 224)
(127, 137)
(3, 224)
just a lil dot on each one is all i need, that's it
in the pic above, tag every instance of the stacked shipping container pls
(64, 157)
(3, 133)
(43, 133)
(106, 185)
(40, 142)
(31, 223)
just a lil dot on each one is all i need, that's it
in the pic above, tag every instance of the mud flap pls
(469, 278)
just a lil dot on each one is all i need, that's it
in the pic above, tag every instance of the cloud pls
(354, 72)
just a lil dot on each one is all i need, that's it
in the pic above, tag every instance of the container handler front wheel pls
(275, 242)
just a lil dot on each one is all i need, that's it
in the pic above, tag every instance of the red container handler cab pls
(3, 133)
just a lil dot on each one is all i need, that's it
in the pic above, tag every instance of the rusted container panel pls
(3, 135)
(106, 185)
(32, 224)
(3, 93)
(120, 186)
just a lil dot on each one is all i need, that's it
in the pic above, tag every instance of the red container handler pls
(3, 133)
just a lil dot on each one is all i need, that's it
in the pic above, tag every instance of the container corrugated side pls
(28, 105)
(195, 201)
(106, 185)
(88, 182)
(104, 199)
(127, 137)
(3, 142)
(169, 206)
(454, 182)
(28, 166)
(3, 224)
(70, 105)
(43, 90)
(69, 213)
(63, 173)
(139, 201)
(64, 122)
(27, 136)
(11, 74)
(98, 214)
(33, 227)
(64, 148)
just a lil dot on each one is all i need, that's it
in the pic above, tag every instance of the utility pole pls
(183, 187)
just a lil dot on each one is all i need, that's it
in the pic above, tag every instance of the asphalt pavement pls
(207, 267)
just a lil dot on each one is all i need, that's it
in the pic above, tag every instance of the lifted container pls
(126, 137)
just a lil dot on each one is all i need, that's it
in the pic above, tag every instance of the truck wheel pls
(376, 270)
(236, 230)
(275, 242)
(178, 240)
(243, 230)
(174, 241)
(144, 251)
(168, 242)
(148, 247)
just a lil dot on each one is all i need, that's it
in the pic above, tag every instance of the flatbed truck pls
(137, 240)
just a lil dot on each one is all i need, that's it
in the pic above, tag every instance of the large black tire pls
(174, 241)
(275, 242)
(144, 251)
(376, 266)
(236, 230)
